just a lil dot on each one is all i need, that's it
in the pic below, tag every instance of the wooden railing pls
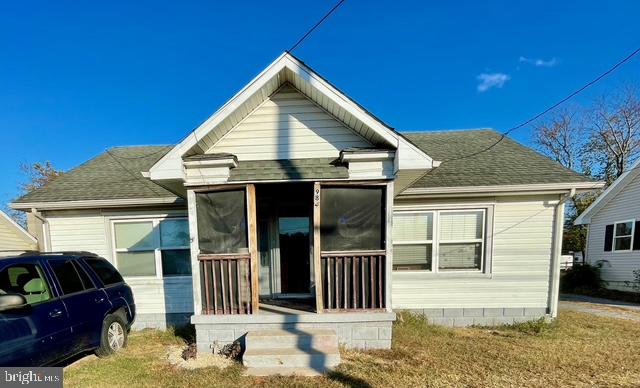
(353, 280)
(226, 283)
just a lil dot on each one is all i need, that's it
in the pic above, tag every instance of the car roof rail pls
(59, 253)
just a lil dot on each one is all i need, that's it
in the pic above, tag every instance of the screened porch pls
(310, 246)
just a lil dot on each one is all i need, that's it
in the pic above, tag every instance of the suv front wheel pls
(114, 336)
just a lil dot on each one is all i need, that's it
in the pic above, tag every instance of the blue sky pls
(79, 77)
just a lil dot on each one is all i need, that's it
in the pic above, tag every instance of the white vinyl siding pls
(90, 230)
(619, 265)
(519, 239)
(12, 238)
(288, 126)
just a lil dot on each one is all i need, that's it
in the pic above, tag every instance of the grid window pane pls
(137, 263)
(134, 235)
(412, 226)
(623, 243)
(624, 229)
(174, 233)
(461, 225)
(412, 257)
(460, 256)
(176, 262)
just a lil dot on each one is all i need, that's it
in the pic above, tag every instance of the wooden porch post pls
(317, 267)
(388, 245)
(253, 246)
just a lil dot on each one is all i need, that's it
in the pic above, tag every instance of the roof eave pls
(99, 203)
(545, 188)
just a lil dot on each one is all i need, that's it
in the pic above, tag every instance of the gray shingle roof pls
(114, 174)
(315, 168)
(484, 161)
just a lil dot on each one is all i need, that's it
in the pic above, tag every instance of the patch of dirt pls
(202, 360)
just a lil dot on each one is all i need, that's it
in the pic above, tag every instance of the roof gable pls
(287, 68)
(288, 125)
(609, 194)
(14, 234)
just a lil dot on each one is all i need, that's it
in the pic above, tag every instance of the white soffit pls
(287, 68)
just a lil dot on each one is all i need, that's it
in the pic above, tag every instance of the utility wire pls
(338, 4)
(549, 109)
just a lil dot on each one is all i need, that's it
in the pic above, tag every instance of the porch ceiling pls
(289, 169)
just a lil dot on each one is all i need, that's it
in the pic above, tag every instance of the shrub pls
(582, 277)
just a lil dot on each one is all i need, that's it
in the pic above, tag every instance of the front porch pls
(292, 256)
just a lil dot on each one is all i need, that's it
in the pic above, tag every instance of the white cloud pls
(488, 81)
(538, 62)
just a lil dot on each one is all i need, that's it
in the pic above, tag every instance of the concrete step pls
(319, 360)
(308, 339)
(282, 371)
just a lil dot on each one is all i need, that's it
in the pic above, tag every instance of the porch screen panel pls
(352, 218)
(222, 222)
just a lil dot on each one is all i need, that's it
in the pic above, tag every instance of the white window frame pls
(419, 242)
(485, 270)
(157, 243)
(615, 231)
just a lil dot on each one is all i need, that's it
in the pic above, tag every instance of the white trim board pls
(101, 203)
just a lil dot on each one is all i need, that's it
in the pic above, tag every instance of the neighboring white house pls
(294, 196)
(614, 230)
(14, 238)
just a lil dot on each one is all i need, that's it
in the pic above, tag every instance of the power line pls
(338, 4)
(549, 109)
(134, 175)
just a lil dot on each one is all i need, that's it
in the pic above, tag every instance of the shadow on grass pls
(349, 381)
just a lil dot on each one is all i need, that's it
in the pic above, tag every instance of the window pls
(413, 241)
(27, 280)
(458, 243)
(152, 248)
(461, 240)
(352, 218)
(68, 278)
(623, 235)
(104, 270)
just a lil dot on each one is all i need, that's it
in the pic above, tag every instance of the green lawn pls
(577, 350)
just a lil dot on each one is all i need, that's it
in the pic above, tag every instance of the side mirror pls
(12, 301)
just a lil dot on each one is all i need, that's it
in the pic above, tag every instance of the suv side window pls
(67, 276)
(105, 271)
(27, 280)
(86, 281)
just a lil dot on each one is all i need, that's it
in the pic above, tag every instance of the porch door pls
(295, 263)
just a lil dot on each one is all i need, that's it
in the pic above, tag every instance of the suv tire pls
(114, 336)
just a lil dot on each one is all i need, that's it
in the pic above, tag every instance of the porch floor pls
(272, 309)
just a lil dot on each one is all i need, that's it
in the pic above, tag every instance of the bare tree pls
(37, 175)
(562, 138)
(615, 132)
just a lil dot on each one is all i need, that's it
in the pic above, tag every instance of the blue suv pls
(54, 306)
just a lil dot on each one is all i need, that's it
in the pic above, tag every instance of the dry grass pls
(578, 350)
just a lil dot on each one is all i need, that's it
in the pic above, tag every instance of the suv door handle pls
(55, 313)
(99, 300)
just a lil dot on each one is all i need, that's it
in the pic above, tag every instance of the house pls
(294, 207)
(614, 230)
(14, 238)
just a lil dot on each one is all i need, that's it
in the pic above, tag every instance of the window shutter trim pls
(608, 238)
(636, 237)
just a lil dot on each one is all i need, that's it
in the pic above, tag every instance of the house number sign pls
(316, 197)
